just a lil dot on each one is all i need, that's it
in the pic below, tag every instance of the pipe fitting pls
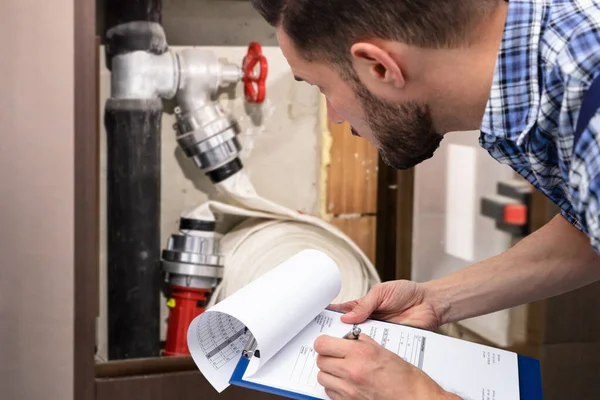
(192, 257)
(206, 133)
(144, 75)
(202, 74)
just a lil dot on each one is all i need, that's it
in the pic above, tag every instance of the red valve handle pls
(255, 57)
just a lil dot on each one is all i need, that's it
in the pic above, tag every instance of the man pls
(405, 72)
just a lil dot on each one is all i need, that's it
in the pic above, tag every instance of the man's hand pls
(402, 302)
(364, 370)
(553, 260)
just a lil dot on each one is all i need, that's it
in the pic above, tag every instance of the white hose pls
(262, 234)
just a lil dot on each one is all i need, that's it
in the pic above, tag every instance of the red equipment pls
(193, 267)
(185, 304)
(253, 58)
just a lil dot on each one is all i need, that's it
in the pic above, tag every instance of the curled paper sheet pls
(272, 309)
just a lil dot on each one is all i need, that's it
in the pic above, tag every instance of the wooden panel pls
(404, 223)
(361, 230)
(87, 175)
(568, 317)
(180, 386)
(571, 371)
(387, 231)
(352, 174)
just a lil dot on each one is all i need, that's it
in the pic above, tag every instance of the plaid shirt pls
(549, 56)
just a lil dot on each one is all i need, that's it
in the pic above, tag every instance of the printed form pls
(217, 337)
(284, 311)
(469, 370)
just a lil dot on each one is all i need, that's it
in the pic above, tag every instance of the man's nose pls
(332, 115)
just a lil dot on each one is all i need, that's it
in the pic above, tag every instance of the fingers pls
(333, 395)
(344, 307)
(367, 339)
(332, 347)
(331, 383)
(331, 366)
(364, 307)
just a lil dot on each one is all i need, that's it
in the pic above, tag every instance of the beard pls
(404, 132)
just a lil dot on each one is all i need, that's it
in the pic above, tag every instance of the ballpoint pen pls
(353, 334)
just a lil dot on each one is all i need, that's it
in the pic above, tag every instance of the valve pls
(193, 266)
(255, 83)
(205, 132)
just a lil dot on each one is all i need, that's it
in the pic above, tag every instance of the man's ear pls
(377, 63)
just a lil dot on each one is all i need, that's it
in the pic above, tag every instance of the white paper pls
(469, 370)
(284, 311)
(273, 308)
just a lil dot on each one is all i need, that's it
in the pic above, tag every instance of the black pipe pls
(133, 210)
(133, 129)
(128, 28)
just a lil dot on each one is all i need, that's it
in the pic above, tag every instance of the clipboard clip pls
(250, 348)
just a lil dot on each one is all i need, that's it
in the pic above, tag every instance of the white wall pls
(36, 200)
(281, 153)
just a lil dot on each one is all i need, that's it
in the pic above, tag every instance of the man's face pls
(403, 131)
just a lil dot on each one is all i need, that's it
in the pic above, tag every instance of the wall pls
(37, 201)
(208, 23)
(281, 141)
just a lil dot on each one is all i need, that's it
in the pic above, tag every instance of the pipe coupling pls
(193, 261)
(144, 75)
(208, 136)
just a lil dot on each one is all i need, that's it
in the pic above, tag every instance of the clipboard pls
(530, 379)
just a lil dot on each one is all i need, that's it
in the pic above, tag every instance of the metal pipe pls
(133, 117)
(143, 75)
(143, 72)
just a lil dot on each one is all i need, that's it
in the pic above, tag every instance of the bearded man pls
(405, 72)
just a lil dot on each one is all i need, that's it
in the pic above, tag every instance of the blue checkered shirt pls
(549, 56)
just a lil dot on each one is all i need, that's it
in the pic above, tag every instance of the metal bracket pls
(250, 350)
(510, 207)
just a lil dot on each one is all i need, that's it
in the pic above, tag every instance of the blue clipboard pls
(530, 378)
(237, 380)
(530, 381)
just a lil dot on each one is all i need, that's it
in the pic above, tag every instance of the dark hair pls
(326, 29)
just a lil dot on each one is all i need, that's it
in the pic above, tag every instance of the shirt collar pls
(514, 100)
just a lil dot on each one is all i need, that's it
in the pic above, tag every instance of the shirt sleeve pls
(577, 65)
(584, 182)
